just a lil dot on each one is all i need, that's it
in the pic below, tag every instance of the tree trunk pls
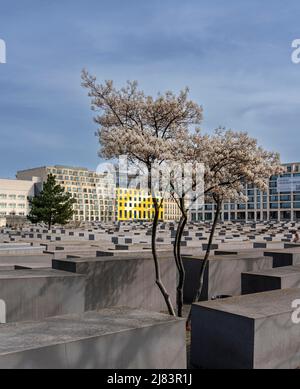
(176, 243)
(179, 262)
(158, 280)
(206, 257)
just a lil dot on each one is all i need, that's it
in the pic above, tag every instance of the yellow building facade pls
(135, 205)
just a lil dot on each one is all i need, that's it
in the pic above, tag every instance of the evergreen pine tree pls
(53, 205)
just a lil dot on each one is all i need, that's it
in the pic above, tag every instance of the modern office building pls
(171, 210)
(99, 198)
(281, 202)
(133, 202)
(92, 191)
(135, 205)
(14, 197)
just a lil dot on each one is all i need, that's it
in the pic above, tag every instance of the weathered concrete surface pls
(286, 257)
(242, 252)
(22, 250)
(10, 245)
(247, 332)
(121, 281)
(222, 275)
(39, 261)
(133, 253)
(7, 267)
(36, 294)
(118, 338)
(271, 279)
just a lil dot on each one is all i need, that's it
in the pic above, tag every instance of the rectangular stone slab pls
(23, 260)
(133, 253)
(247, 332)
(222, 275)
(36, 294)
(271, 279)
(19, 250)
(286, 257)
(123, 281)
(116, 338)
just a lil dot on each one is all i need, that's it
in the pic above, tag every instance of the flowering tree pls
(182, 184)
(143, 128)
(231, 159)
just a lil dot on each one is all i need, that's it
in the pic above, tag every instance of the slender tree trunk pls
(179, 262)
(176, 243)
(158, 280)
(206, 257)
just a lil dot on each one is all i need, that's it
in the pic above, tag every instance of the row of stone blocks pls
(228, 273)
(76, 285)
(258, 330)
(285, 273)
(55, 318)
(83, 284)
(97, 283)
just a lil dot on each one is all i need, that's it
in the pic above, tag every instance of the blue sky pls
(235, 56)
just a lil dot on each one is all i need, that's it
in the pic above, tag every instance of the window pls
(285, 205)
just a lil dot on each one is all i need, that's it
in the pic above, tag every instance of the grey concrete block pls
(213, 247)
(43, 260)
(259, 245)
(110, 339)
(271, 279)
(36, 294)
(247, 332)
(222, 275)
(122, 281)
(122, 247)
(226, 252)
(287, 257)
(21, 250)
